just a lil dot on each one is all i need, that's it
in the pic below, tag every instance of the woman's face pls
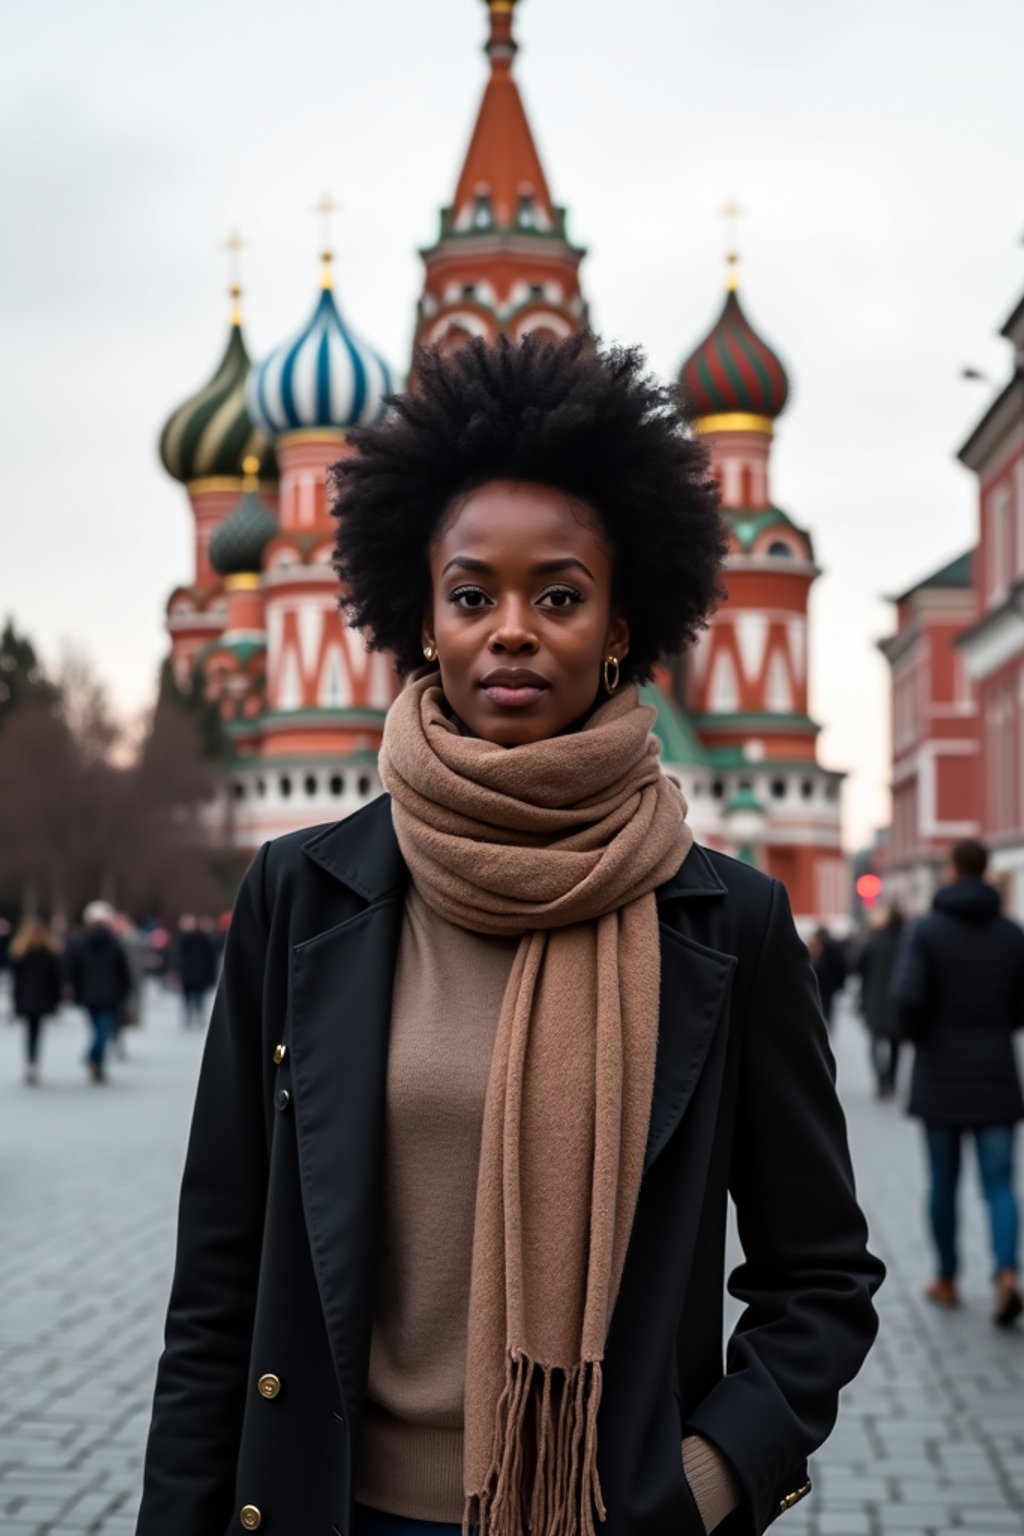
(522, 615)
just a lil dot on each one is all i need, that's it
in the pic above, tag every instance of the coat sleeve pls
(807, 1278)
(201, 1379)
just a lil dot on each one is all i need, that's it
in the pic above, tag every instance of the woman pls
(36, 973)
(875, 965)
(488, 1056)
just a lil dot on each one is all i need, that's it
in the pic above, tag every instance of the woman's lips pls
(513, 698)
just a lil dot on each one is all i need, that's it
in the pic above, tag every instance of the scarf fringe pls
(563, 1496)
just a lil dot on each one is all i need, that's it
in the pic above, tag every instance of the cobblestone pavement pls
(930, 1438)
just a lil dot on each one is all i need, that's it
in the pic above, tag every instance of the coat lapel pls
(695, 986)
(341, 985)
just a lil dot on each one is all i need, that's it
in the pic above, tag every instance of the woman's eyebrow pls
(542, 567)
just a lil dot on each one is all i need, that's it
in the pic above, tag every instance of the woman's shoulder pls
(361, 851)
(709, 871)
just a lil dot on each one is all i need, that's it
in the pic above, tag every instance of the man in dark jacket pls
(959, 991)
(195, 961)
(99, 979)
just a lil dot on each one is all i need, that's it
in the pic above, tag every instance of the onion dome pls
(237, 544)
(734, 372)
(326, 376)
(212, 432)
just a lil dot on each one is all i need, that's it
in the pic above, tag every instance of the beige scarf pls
(564, 842)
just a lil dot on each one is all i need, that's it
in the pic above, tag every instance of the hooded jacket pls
(959, 993)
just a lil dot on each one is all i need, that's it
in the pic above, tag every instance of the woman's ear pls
(617, 639)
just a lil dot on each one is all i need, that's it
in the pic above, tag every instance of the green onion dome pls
(237, 544)
(734, 371)
(211, 433)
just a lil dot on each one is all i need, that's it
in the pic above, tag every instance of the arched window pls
(364, 785)
(779, 549)
(337, 784)
(310, 784)
(746, 486)
(284, 784)
(483, 213)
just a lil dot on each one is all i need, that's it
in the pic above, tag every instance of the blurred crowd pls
(101, 968)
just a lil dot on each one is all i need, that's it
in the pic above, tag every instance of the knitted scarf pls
(562, 842)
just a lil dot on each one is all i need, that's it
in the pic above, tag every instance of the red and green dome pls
(733, 371)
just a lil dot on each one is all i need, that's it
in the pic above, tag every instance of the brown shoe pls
(942, 1293)
(1009, 1305)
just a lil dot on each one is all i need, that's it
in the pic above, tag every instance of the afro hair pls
(585, 419)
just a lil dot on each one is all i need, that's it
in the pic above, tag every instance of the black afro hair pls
(585, 419)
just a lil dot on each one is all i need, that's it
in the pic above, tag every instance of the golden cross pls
(325, 208)
(234, 245)
(732, 213)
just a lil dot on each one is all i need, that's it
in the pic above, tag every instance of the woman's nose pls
(512, 631)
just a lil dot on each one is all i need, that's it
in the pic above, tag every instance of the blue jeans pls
(374, 1522)
(994, 1146)
(103, 1022)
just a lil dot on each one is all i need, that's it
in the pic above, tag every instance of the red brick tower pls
(746, 681)
(503, 260)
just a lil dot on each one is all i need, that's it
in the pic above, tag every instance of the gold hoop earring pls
(610, 684)
(430, 652)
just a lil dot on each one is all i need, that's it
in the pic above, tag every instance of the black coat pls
(98, 969)
(36, 983)
(280, 1202)
(959, 988)
(195, 960)
(875, 965)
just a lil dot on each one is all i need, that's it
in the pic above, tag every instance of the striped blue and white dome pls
(323, 377)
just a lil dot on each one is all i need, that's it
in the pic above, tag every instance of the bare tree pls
(81, 815)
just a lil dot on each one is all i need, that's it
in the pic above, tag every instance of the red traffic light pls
(868, 888)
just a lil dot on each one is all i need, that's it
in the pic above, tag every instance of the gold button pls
(269, 1385)
(280, 1052)
(250, 1517)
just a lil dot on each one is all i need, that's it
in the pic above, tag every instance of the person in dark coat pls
(99, 979)
(959, 991)
(37, 985)
(535, 523)
(874, 966)
(829, 960)
(195, 964)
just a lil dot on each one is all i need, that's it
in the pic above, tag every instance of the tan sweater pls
(449, 985)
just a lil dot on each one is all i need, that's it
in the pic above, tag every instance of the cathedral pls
(258, 630)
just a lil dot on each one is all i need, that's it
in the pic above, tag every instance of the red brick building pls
(934, 724)
(957, 662)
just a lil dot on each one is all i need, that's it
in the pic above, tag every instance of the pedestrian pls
(488, 1056)
(874, 966)
(99, 980)
(959, 990)
(195, 963)
(37, 983)
(829, 962)
(5, 950)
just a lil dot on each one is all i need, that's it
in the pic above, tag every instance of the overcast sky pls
(878, 147)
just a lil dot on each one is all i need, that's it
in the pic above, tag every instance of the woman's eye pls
(562, 597)
(468, 597)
